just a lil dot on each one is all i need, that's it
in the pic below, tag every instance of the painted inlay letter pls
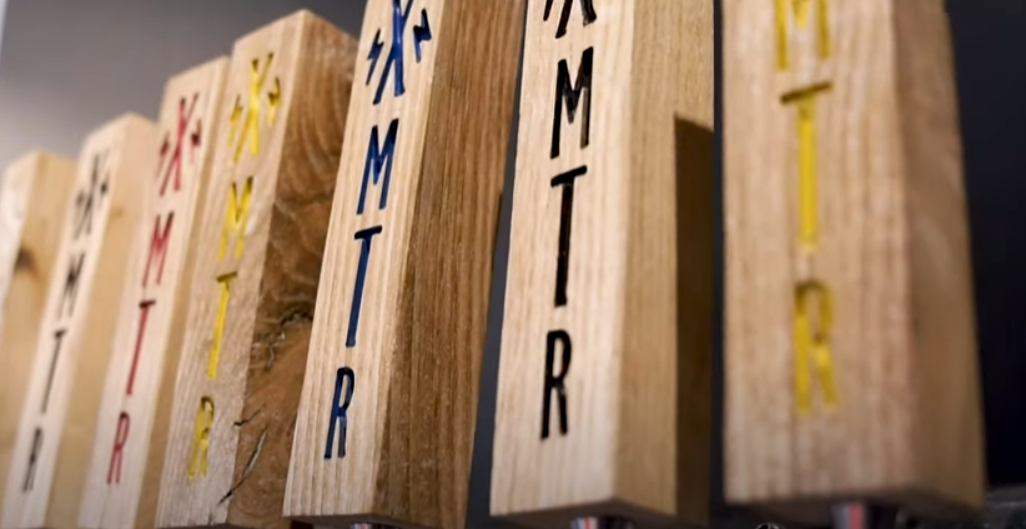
(800, 9)
(343, 377)
(30, 474)
(812, 343)
(71, 284)
(201, 438)
(222, 312)
(365, 236)
(158, 248)
(565, 223)
(378, 158)
(554, 382)
(120, 437)
(235, 218)
(808, 207)
(576, 95)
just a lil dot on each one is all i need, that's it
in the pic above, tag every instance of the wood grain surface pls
(35, 196)
(850, 342)
(402, 308)
(128, 451)
(604, 399)
(255, 283)
(46, 480)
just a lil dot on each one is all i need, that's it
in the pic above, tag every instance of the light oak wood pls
(854, 187)
(635, 304)
(281, 130)
(415, 350)
(128, 450)
(36, 188)
(46, 480)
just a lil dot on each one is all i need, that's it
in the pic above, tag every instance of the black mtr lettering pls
(574, 96)
(554, 382)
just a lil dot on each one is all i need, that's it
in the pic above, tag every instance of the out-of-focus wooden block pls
(15, 192)
(255, 283)
(46, 480)
(604, 398)
(851, 367)
(16, 195)
(128, 450)
(32, 211)
(387, 415)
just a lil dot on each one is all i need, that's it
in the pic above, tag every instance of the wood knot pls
(25, 261)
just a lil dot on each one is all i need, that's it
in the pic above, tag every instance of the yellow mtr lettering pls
(808, 193)
(801, 10)
(222, 315)
(812, 345)
(235, 220)
(201, 438)
(236, 215)
(813, 306)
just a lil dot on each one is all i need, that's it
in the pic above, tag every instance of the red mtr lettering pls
(144, 312)
(156, 257)
(114, 470)
(158, 248)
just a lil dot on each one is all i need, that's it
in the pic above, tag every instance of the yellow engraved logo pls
(249, 131)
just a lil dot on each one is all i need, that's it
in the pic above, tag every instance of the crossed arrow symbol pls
(195, 140)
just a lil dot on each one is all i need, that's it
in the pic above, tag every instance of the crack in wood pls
(292, 316)
(243, 422)
(250, 465)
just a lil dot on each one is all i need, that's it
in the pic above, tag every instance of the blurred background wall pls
(3, 11)
(70, 65)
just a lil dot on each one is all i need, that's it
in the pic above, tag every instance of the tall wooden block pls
(128, 451)
(387, 414)
(255, 283)
(604, 399)
(850, 343)
(18, 193)
(46, 479)
(35, 192)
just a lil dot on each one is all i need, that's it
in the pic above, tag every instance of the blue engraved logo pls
(395, 60)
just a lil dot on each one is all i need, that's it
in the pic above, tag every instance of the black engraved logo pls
(90, 199)
(564, 17)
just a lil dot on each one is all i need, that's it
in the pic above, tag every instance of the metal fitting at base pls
(601, 522)
(860, 515)
(370, 526)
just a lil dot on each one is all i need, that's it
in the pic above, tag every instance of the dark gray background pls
(69, 65)
(990, 54)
